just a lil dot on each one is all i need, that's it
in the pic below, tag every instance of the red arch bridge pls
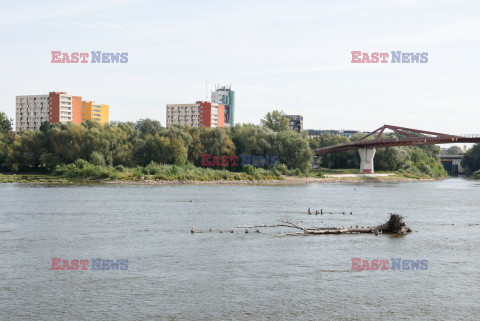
(367, 147)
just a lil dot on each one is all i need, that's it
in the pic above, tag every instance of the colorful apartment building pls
(95, 112)
(200, 114)
(33, 110)
(65, 108)
(56, 107)
(225, 96)
(211, 115)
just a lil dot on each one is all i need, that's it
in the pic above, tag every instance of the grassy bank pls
(31, 178)
(409, 174)
(83, 172)
(83, 169)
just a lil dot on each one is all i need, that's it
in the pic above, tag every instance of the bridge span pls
(367, 145)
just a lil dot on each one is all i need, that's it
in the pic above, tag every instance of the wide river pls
(175, 275)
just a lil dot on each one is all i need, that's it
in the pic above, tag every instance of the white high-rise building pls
(31, 112)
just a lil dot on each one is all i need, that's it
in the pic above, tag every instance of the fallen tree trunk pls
(394, 225)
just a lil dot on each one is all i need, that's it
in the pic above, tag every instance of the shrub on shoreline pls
(154, 171)
(476, 175)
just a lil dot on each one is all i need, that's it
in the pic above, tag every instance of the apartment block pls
(211, 115)
(183, 114)
(65, 108)
(200, 114)
(95, 112)
(295, 122)
(31, 112)
(225, 96)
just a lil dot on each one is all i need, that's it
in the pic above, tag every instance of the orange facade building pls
(211, 115)
(64, 108)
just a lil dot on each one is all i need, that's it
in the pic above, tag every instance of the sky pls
(293, 56)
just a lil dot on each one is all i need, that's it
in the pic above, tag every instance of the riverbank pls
(287, 180)
(33, 178)
(284, 180)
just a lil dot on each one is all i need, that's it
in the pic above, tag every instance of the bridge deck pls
(391, 142)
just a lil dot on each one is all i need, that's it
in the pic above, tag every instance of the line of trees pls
(471, 160)
(5, 136)
(138, 144)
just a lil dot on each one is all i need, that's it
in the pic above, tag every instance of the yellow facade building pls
(95, 112)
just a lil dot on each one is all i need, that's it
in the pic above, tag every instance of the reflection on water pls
(173, 274)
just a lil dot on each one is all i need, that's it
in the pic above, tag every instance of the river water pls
(175, 275)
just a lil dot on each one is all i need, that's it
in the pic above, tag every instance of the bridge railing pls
(404, 139)
(470, 135)
(413, 140)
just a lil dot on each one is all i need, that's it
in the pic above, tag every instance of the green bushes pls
(153, 168)
(275, 172)
(476, 175)
(249, 169)
(283, 169)
(97, 158)
(154, 171)
(423, 163)
(471, 159)
(84, 169)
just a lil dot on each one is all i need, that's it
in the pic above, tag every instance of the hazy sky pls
(289, 55)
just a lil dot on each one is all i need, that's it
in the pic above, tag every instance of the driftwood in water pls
(394, 225)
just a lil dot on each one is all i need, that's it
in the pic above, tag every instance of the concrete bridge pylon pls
(366, 160)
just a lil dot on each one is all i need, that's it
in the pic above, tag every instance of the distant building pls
(65, 108)
(225, 96)
(295, 122)
(319, 132)
(200, 114)
(211, 115)
(95, 112)
(183, 114)
(33, 110)
(349, 133)
(452, 163)
(316, 133)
